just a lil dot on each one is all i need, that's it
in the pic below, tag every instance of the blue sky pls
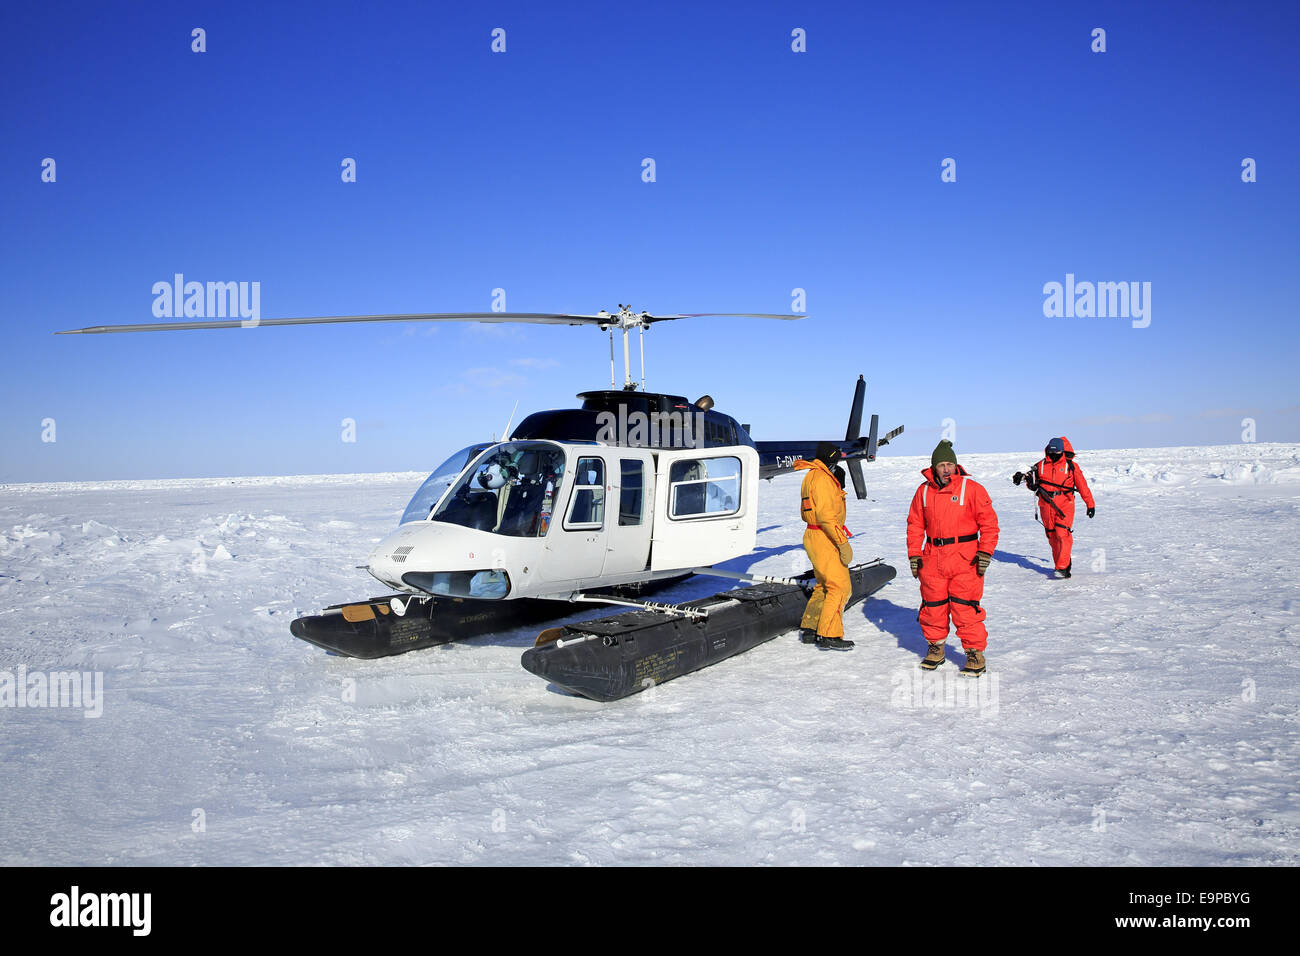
(522, 170)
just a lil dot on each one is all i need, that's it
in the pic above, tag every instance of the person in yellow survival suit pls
(826, 540)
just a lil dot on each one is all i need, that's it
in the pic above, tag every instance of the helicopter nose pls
(388, 559)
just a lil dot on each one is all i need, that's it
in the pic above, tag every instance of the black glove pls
(981, 562)
(1017, 478)
(1091, 512)
(916, 566)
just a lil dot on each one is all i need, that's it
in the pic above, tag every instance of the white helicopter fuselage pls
(548, 519)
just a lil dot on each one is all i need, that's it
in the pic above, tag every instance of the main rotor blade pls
(720, 315)
(543, 318)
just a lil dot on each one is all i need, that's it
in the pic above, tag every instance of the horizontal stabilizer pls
(779, 457)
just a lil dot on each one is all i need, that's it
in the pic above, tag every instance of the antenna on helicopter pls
(625, 320)
(505, 435)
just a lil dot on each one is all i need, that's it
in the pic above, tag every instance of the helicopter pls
(630, 489)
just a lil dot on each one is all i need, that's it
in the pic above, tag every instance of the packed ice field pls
(1142, 712)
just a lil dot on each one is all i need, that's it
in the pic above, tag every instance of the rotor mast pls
(626, 320)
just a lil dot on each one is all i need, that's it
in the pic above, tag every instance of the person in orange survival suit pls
(954, 517)
(826, 540)
(1055, 479)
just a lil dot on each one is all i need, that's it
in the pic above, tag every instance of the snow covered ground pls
(1143, 712)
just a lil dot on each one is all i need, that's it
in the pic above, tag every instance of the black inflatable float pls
(613, 657)
(370, 628)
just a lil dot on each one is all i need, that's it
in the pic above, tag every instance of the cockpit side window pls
(587, 503)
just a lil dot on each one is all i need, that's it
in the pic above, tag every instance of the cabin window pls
(587, 506)
(704, 487)
(631, 493)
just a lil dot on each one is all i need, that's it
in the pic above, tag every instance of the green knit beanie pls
(943, 452)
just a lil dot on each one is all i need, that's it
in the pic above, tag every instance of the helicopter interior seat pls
(690, 498)
(479, 511)
(523, 502)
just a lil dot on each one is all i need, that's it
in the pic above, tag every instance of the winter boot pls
(834, 644)
(935, 657)
(807, 635)
(1065, 571)
(974, 663)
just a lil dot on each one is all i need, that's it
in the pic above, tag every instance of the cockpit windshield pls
(429, 493)
(510, 490)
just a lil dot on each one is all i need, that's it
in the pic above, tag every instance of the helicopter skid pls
(614, 657)
(370, 628)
